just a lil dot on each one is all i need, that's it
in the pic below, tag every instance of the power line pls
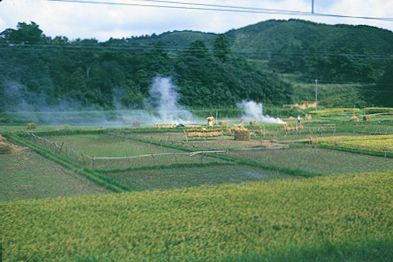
(227, 6)
(190, 7)
(221, 8)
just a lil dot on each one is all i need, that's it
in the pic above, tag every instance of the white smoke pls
(161, 107)
(164, 99)
(254, 111)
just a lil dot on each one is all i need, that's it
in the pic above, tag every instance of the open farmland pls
(317, 161)
(382, 144)
(192, 176)
(274, 198)
(111, 152)
(326, 218)
(25, 175)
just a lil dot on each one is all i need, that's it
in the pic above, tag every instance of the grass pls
(316, 160)
(27, 175)
(192, 176)
(378, 143)
(67, 163)
(348, 218)
(102, 145)
(141, 154)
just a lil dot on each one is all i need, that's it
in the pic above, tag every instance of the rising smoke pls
(254, 111)
(165, 100)
(162, 105)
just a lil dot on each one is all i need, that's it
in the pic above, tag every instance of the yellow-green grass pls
(191, 176)
(265, 219)
(376, 143)
(317, 160)
(332, 111)
(371, 110)
(27, 175)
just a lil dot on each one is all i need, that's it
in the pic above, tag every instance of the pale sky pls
(76, 20)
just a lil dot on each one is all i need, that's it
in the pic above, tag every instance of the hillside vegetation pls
(320, 219)
(39, 72)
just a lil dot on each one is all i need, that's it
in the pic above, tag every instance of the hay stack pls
(367, 118)
(355, 118)
(31, 126)
(5, 148)
(308, 117)
(242, 135)
(204, 133)
(223, 123)
(234, 128)
(313, 139)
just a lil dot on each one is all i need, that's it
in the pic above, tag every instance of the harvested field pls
(108, 152)
(321, 161)
(26, 175)
(192, 176)
(103, 145)
(222, 142)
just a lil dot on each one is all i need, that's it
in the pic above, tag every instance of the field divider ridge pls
(234, 160)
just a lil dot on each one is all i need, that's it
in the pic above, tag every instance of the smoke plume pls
(254, 111)
(164, 99)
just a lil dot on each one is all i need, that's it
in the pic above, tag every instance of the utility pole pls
(316, 91)
(312, 6)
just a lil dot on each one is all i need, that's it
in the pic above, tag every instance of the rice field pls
(26, 175)
(247, 202)
(376, 143)
(107, 152)
(317, 160)
(332, 218)
(170, 178)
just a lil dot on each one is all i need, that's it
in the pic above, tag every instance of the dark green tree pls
(221, 48)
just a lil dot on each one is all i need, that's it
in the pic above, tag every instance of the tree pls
(222, 48)
(384, 91)
(25, 33)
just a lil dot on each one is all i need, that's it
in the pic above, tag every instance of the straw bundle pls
(355, 118)
(242, 135)
(367, 118)
(223, 123)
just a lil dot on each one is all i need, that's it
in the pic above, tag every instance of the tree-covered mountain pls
(209, 69)
(318, 51)
(38, 70)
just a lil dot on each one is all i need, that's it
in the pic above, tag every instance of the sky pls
(82, 20)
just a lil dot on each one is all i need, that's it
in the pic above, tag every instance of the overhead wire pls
(220, 8)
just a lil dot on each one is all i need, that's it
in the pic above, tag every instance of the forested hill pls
(40, 72)
(209, 69)
(327, 52)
